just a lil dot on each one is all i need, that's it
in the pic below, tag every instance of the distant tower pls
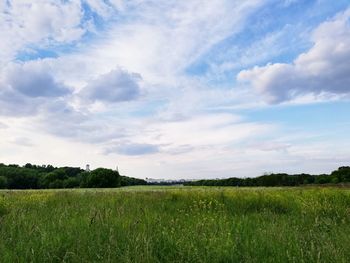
(87, 169)
(117, 169)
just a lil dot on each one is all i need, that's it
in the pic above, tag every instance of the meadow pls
(176, 224)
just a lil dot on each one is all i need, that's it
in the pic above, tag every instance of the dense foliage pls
(342, 175)
(126, 181)
(32, 176)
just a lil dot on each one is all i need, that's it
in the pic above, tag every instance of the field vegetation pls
(176, 224)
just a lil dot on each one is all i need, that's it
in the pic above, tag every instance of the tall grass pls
(155, 224)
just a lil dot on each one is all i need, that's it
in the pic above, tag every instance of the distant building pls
(87, 169)
(165, 181)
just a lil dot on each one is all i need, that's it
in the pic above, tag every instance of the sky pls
(176, 89)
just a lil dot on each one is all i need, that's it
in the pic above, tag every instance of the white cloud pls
(24, 89)
(270, 46)
(118, 4)
(23, 141)
(163, 38)
(159, 43)
(3, 125)
(115, 86)
(216, 130)
(32, 81)
(100, 8)
(324, 68)
(40, 23)
(133, 149)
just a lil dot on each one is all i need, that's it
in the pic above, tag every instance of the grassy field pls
(176, 224)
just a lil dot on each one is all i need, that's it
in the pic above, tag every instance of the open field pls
(176, 224)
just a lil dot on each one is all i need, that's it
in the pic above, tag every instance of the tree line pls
(341, 175)
(32, 176)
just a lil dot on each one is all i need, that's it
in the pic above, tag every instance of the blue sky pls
(176, 89)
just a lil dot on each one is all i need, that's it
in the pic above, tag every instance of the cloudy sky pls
(176, 89)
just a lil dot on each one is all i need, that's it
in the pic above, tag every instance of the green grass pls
(176, 224)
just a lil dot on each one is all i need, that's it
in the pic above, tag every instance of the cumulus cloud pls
(325, 68)
(34, 82)
(25, 88)
(116, 86)
(14, 104)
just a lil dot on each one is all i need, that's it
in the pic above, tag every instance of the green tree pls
(3, 182)
(342, 174)
(53, 179)
(101, 178)
(71, 182)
